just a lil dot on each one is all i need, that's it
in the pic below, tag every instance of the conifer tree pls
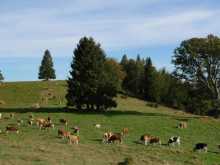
(150, 81)
(124, 60)
(46, 70)
(87, 85)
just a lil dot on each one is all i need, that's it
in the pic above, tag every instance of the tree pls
(129, 83)
(46, 70)
(115, 73)
(88, 86)
(134, 69)
(124, 60)
(150, 81)
(197, 61)
(1, 76)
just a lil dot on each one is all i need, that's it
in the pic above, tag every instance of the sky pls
(151, 28)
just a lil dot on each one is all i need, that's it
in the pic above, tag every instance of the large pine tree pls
(46, 70)
(87, 85)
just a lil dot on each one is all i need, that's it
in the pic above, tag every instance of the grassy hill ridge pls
(34, 146)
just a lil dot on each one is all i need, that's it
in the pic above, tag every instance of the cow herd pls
(108, 137)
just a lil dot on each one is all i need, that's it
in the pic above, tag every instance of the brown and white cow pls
(146, 139)
(115, 137)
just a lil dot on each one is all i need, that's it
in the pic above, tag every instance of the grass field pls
(43, 147)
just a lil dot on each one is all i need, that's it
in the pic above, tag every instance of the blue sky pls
(147, 27)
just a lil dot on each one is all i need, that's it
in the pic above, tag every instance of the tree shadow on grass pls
(109, 113)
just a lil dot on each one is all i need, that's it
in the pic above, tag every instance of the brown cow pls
(73, 139)
(63, 133)
(155, 140)
(124, 131)
(46, 125)
(115, 137)
(40, 121)
(149, 139)
(12, 129)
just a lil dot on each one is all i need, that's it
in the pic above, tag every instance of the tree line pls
(95, 80)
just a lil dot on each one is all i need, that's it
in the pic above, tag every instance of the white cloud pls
(28, 32)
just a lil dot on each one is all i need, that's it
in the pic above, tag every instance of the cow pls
(30, 122)
(145, 139)
(106, 136)
(62, 133)
(124, 131)
(155, 140)
(11, 129)
(174, 140)
(97, 125)
(12, 115)
(201, 147)
(182, 125)
(73, 139)
(76, 130)
(49, 120)
(40, 121)
(115, 137)
(63, 121)
(19, 122)
(46, 125)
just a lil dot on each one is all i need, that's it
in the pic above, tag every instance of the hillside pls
(40, 147)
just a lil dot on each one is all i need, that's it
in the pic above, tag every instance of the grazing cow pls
(40, 121)
(124, 131)
(174, 140)
(145, 139)
(12, 115)
(149, 139)
(76, 130)
(63, 133)
(63, 121)
(12, 129)
(115, 137)
(182, 125)
(19, 122)
(35, 106)
(73, 139)
(30, 122)
(97, 125)
(155, 140)
(201, 147)
(46, 125)
(49, 120)
(106, 136)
